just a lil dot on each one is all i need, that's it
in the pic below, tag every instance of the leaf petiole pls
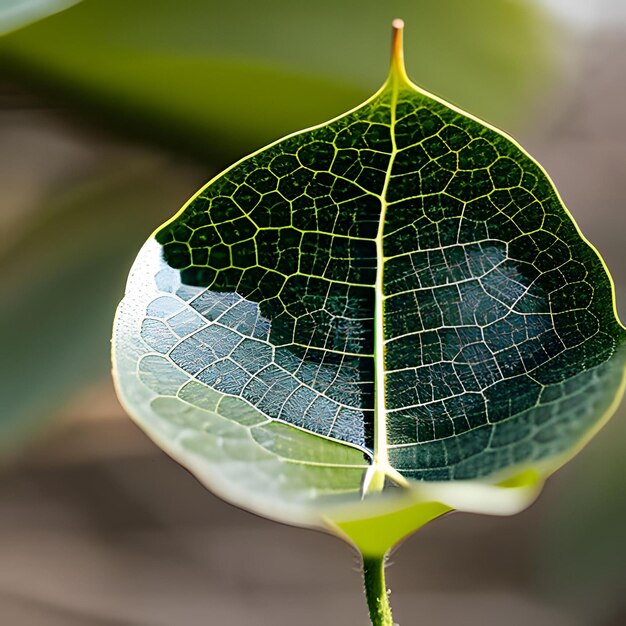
(376, 591)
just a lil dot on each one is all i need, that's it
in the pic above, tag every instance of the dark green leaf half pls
(396, 296)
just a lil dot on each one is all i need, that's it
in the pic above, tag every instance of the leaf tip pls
(397, 24)
(397, 69)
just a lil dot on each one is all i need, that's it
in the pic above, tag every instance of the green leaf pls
(75, 252)
(15, 14)
(371, 322)
(224, 78)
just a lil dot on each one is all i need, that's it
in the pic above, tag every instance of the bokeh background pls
(112, 113)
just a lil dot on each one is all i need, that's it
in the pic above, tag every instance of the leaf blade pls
(510, 349)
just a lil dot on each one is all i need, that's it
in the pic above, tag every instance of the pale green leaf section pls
(273, 469)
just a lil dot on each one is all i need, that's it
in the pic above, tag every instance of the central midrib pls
(380, 463)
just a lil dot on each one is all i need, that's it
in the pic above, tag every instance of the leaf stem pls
(376, 590)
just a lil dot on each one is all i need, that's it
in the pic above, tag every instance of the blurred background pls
(112, 113)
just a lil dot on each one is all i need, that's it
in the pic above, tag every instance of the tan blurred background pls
(111, 115)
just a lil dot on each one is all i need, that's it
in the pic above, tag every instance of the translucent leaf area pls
(394, 301)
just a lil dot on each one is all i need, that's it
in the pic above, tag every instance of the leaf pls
(223, 78)
(371, 322)
(59, 282)
(15, 14)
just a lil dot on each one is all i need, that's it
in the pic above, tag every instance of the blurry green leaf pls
(395, 301)
(16, 14)
(222, 78)
(59, 283)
